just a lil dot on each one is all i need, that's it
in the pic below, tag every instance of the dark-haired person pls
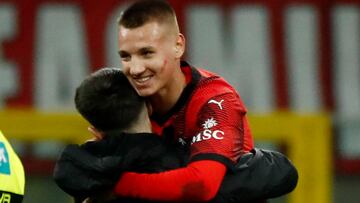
(12, 175)
(125, 143)
(191, 107)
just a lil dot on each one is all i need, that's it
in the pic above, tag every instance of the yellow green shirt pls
(12, 176)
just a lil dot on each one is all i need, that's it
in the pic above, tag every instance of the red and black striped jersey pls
(209, 118)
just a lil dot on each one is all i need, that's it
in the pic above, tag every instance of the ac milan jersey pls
(209, 119)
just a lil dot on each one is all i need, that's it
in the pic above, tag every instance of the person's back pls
(12, 176)
(120, 117)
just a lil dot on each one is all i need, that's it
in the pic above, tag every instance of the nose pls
(137, 67)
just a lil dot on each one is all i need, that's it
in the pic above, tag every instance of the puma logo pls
(216, 102)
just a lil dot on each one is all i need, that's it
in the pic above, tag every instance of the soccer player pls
(12, 175)
(192, 107)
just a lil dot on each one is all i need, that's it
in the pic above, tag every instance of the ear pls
(180, 46)
(98, 135)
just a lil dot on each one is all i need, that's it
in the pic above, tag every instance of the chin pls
(145, 92)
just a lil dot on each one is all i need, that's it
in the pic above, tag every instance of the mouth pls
(142, 80)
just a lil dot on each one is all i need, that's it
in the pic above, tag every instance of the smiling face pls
(150, 56)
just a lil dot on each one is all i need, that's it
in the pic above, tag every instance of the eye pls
(125, 56)
(147, 53)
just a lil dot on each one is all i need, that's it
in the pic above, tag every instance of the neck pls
(166, 98)
(141, 125)
(138, 129)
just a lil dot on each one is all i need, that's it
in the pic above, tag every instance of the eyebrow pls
(148, 48)
(121, 52)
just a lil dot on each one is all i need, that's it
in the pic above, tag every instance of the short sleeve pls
(221, 132)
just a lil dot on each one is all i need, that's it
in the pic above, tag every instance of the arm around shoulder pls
(199, 181)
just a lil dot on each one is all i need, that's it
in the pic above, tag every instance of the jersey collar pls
(192, 76)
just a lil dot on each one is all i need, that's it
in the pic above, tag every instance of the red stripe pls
(96, 22)
(276, 9)
(326, 63)
(348, 166)
(35, 166)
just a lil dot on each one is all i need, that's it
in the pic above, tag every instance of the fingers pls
(98, 135)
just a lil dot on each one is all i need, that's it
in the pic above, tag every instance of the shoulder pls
(214, 81)
(211, 91)
(212, 85)
(2, 137)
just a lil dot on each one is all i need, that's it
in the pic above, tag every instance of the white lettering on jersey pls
(212, 101)
(216, 136)
(208, 134)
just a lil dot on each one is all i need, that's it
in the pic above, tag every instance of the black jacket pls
(93, 167)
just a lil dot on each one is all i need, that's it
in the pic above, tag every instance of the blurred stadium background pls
(296, 64)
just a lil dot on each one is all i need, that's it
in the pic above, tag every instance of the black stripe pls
(215, 157)
(14, 198)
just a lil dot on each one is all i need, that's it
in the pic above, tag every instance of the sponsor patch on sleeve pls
(4, 160)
